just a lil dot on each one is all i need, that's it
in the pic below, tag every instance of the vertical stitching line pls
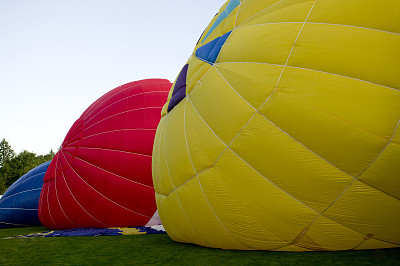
(394, 133)
(172, 182)
(198, 179)
(277, 84)
(226, 41)
(227, 147)
(48, 207)
(237, 13)
(102, 195)
(290, 53)
(55, 186)
(257, 111)
(355, 179)
(41, 199)
(264, 178)
(65, 180)
(40, 205)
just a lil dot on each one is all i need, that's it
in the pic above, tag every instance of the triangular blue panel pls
(210, 51)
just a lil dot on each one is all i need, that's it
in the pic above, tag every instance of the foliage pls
(161, 250)
(6, 153)
(14, 166)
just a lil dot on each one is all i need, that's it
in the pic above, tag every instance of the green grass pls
(161, 250)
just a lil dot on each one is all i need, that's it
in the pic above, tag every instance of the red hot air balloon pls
(101, 176)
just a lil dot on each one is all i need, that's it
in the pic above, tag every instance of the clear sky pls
(58, 56)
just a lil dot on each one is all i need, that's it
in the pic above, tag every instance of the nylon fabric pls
(19, 204)
(288, 137)
(101, 175)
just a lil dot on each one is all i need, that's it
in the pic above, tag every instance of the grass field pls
(161, 250)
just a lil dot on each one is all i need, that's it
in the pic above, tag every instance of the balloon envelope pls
(101, 176)
(19, 204)
(281, 131)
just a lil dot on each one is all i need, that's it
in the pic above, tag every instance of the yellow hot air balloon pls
(281, 131)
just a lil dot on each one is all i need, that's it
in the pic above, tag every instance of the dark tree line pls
(13, 166)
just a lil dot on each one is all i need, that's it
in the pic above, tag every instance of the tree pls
(47, 157)
(12, 169)
(6, 153)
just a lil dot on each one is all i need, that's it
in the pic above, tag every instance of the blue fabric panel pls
(85, 232)
(210, 51)
(179, 92)
(19, 204)
(229, 8)
(149, 230)
(94, 232)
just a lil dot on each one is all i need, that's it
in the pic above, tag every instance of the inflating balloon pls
(101, 175)
(19, 204)
(281, 131)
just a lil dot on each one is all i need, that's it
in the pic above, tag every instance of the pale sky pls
(59, 56)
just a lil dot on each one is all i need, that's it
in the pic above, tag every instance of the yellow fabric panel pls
(289, 165)
(367, 13)
(175, 222)
(130, 231)
(253, 44)
(370, 243)
(204, 146)
(349, 51)
(250, 8)
(177, 158)
(232, 111)
(196, 70)
(268, 204)
(325, 234)
(343, 145)
(202, 216)
(287, 11)
(350, 100)
(291, 248)
(229, 23)
(233, 216)
(368, 211)
(161, 179)
(254, 82)
(383, 173)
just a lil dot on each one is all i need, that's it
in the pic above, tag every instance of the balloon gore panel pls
(101, 176)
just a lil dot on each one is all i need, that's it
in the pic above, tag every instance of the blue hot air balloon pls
(19, 204)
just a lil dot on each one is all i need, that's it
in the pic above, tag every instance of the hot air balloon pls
(281, 131)
(101, 175)
(19, 204)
